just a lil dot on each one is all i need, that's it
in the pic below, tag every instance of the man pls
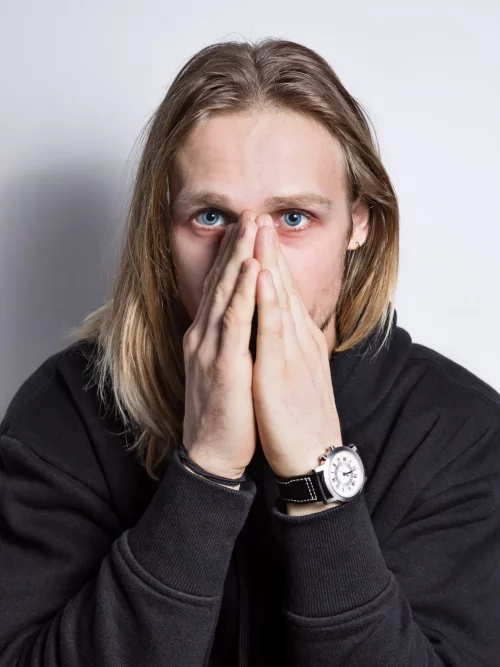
(361, 523)
(265, 153)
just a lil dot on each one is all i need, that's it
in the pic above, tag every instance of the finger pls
(266, 243)
(302, 330)
(270, 348)
(304, 325)
(209, 281)
(223, 290)
(266, 252)
(237, 319)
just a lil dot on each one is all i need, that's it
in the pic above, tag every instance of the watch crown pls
(331, 448)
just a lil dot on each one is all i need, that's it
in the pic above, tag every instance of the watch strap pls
(302, 488)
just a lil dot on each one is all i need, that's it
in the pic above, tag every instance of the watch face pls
(346, 473)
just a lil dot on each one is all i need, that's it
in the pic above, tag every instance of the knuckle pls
(206, 358)
(216, 372)
(188, 343)
(229, 318)
(232, 318)
(218, 272)
(278, 331)
(251, 263)
(211, 279)
(242, 229)
(219, 293)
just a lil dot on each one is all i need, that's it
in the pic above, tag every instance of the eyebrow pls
(211, 198)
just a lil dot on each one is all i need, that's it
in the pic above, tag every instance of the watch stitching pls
(310, 488)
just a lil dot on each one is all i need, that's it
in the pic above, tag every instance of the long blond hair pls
(138, 361)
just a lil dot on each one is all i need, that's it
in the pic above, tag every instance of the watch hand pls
(347, 473)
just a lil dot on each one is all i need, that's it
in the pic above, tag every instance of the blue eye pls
(209, 213)
(295, 213)
(212, 215)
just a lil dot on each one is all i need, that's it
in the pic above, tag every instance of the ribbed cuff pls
(186, 536)
(332, 559)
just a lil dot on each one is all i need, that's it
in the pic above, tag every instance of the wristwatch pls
(340, 477)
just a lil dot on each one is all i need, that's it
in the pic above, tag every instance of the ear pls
(360, 212)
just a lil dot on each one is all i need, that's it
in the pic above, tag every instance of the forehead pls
(253, 156)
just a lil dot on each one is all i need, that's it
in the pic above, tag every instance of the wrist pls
(228, 486)
(301, 509)
(204, 458)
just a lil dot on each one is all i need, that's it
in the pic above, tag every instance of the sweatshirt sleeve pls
(428, 596)
(74, 590)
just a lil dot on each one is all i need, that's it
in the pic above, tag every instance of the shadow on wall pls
(58, 237)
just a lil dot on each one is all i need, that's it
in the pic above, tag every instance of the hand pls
(292, 390)
(219, 423)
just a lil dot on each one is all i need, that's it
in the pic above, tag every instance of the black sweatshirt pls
(103, 566)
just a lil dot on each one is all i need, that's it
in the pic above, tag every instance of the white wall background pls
(78, 80)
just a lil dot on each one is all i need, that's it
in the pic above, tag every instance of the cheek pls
(314, 269)
(193, 258)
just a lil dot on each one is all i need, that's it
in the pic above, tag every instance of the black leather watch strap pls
(303, 488)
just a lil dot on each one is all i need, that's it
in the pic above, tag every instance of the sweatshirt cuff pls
(186, 536)
(332, 559)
